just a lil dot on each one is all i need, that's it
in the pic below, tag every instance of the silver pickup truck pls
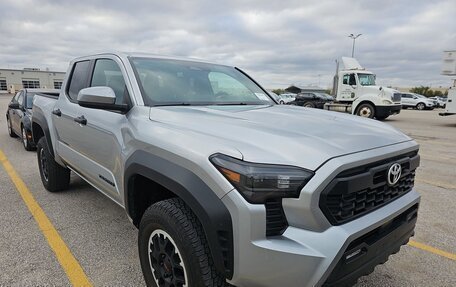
(226, 186)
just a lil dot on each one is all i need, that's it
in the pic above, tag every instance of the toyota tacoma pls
(193, 151)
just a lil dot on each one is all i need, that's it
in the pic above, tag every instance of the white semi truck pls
(449, 69)
(355, 92)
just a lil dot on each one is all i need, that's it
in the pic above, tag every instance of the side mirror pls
(100, 98)
(14, 106)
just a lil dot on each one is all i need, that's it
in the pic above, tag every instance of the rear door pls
(65, 111)
(406, 99)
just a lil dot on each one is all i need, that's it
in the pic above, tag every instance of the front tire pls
(366, 110)
(420, 106)
(173, 249)
(53, 176)
(25, 142)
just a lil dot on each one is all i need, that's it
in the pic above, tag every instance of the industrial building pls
(12, 80)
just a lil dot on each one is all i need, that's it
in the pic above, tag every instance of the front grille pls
(397, 97)
(358, 191)
(276, 222)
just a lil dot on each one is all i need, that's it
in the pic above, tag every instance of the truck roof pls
(351, 64)
(121, 54)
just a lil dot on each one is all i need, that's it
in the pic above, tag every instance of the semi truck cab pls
(356, 92)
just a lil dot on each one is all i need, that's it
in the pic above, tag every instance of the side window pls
(78, 79)
(16, 96)
(20, 99)
(107, 73)
(345, 79)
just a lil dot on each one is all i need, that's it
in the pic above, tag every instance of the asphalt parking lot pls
(104, 243)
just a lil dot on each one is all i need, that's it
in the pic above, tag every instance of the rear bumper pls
(385, 111)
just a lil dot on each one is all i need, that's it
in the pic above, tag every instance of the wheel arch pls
(172, 180)
(40, 129)
(357, 104)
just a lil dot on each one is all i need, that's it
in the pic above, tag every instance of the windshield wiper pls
(172, 104)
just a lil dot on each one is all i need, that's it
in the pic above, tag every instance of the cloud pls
(277, 42)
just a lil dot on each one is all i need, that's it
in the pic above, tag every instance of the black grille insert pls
(276, 222)
(358, 191)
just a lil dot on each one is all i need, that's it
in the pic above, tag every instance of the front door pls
(100, 138)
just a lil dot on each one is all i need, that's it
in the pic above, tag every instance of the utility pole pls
(354, 38)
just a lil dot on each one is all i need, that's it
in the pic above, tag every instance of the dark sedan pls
(19, 114)
(310, 100)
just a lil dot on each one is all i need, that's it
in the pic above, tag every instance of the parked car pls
(328, 97)
(19, 114)
(286, 98)
(200, 169)
(309, 100)
(274, 96)
(440, 102)
(419, 102)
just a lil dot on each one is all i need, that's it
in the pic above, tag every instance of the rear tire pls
(10, 128)
(25, 142)
(173, 249)
(381, 118)
(53, 176)
(309, 105)
(365, 110)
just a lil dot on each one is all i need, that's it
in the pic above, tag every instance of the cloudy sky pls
(278, 42)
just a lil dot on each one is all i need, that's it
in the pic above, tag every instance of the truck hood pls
(376, 90)
(280, 134)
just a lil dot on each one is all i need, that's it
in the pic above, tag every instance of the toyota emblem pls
(394, 174)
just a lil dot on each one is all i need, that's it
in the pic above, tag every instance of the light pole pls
(354, 38)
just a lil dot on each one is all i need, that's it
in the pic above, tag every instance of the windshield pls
(167, 82)
(29, 101)
(366, 79)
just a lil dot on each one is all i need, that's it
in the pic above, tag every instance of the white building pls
(12, 80)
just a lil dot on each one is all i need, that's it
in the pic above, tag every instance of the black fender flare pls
(207, 206)
(39, 121)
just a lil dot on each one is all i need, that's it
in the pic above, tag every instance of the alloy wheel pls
(165, 260)
(44, 165)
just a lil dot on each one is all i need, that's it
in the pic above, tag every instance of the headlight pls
(387, 102)
(258, 182)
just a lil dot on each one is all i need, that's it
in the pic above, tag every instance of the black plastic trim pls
(209, 209)
(373, 248)
(354, 181)
(39, 119)
(385, 111)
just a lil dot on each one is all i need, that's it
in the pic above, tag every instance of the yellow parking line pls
(70, 265)
(432, 249)
(437, 183)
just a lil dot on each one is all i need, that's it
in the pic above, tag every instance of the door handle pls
(57, 112)
(81, 120)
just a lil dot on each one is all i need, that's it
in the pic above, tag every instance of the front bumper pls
(372, 249)
(303, 257)
(385, 111)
